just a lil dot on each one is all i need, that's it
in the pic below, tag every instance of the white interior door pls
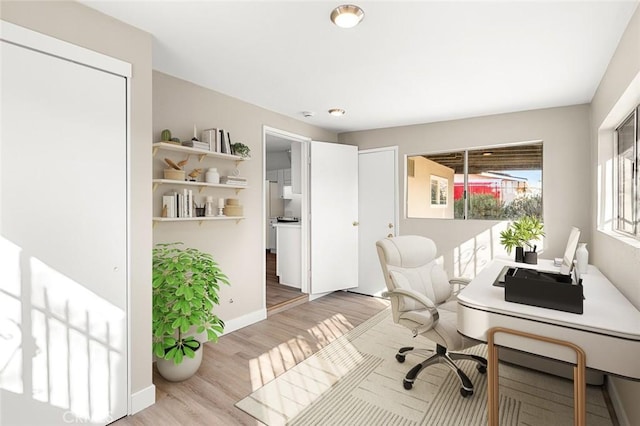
(334, 216)
(63, 241)
(377, 207)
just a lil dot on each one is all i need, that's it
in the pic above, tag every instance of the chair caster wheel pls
(465, 393)
(481, 369)
(407, 385)
(400, 358)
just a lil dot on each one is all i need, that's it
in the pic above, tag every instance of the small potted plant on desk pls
(186, 282)
(520, 234)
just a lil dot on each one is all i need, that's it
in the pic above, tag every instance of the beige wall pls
(468, 245)
(82, 26)
(617, 259)
(238, 248)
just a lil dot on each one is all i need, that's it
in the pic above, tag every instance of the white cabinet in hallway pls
(289, 260)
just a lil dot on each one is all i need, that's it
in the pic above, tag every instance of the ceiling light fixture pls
(337, 112)
(347, 16)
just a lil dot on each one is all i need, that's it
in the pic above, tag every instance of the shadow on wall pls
(59, 345)
(471, 256)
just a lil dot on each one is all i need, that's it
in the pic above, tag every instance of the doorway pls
(284, 221)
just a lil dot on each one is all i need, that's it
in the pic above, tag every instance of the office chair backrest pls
(409, 261)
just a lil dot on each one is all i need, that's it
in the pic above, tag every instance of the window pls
(492, 183)
(439, 191)
(628, 157)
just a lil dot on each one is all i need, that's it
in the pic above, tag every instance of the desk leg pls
(579, 375)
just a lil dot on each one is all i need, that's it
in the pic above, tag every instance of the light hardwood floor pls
(280, 297)
(244, 360)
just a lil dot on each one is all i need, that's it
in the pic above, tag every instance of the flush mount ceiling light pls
(347, 16)
(337, 112)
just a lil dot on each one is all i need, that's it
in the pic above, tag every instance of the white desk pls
(608, 331)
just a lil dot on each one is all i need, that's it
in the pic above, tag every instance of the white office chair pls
(422, 299)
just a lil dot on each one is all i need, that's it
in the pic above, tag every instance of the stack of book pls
(176, 204)
(233, 180)
(201, 145)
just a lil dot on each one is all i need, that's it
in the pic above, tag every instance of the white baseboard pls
(245, 320)
(617, 406)
(142, 399)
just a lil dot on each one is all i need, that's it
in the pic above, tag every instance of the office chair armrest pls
(459, 280)
(458, 283)
(418, 297)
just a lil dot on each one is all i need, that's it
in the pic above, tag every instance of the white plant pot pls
(182, 371)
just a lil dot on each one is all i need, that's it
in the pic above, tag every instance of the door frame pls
(304, 225)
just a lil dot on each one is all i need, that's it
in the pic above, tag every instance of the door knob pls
(355, 223)
(390, 236)
(390, 225)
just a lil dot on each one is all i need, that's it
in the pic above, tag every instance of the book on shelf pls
(233, 180)
(201, 145)
(210, 136)
(225, 142)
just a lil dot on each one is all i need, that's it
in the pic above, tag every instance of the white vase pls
(582, 257)
(212, 175)
(182, 371)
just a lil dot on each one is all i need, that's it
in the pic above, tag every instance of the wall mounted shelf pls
(201, 185)
(196, 219)
(201, 153)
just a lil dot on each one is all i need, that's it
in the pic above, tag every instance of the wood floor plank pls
(245, 359)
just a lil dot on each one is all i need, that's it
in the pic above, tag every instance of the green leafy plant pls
(240, 149)
(186, 282)
(521, 233)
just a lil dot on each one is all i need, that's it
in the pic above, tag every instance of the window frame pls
(465, 152)
(439, 180)
(634, 115)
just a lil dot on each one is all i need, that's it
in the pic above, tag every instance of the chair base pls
(442, 356)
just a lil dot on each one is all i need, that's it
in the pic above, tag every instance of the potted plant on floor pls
(520, 234)
(186, 282)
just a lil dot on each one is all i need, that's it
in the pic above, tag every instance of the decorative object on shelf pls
(233, 207)
(241, 149)
(186, 282)
(183, 163)
(208, 207)
(172, 164)
(174, 174)
(212, 175)
(175, 141)
(194, 174)
(582, 256)
(221, 207)
(165, 135)
(520, 234)
(200, 210)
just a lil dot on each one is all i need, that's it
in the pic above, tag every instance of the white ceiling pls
(406, 63)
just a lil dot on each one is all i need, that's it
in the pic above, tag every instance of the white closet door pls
(334, 217)
(377, 206)
(63, 242)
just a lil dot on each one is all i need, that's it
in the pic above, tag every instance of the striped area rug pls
(356, 380)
